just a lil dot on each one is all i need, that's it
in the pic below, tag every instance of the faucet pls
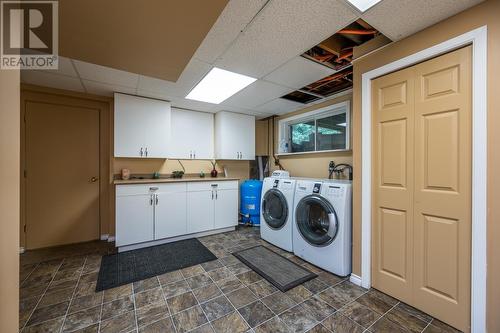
(338, 169)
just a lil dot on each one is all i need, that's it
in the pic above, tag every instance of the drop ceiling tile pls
(154, 94)
(65, 68)
(192, 74)
(234, 18)
(400, 18)
(46, 79)
(99, 88)
(260, 116)
(280, 106)
(222, 107)
(193, 105)
(283, 30)
(106, 75)
(152, 84)
(298, 73)
(256, 94)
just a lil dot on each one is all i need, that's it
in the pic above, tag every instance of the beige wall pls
(483, 14)
(164, 166)
(9, 200)
(313, 165)
(262, 137)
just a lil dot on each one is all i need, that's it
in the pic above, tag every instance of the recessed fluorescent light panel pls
(218, 85)
(364, 5)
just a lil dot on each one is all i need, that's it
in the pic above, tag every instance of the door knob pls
(94, 179)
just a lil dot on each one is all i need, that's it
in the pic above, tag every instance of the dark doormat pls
(131, 266)
(284, 274)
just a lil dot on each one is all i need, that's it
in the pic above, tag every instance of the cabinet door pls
(234, 136)
(156, 121)
(141, 123)
(128, 127)
(170, 214)
(134, 219)
(200, 211)
(246, 141)
(202, 133)
(226, 208)
(181, 135)
(192, 135)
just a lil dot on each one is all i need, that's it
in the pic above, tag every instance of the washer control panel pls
(275, 183)
(317, 188)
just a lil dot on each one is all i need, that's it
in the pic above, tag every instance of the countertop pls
(171, 180)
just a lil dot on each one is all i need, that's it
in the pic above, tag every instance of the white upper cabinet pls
(192, 135)
(234, 136)
(142, 127)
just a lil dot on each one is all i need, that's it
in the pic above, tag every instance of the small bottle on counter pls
(125, 174)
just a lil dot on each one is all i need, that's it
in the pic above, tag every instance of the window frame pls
(331, 110)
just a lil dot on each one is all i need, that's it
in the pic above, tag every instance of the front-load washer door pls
(316, 220)
(274, 209)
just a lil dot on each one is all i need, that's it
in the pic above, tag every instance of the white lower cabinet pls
(152, 212)
(134, 219)
(200, 211)
(226, 208)
(170, 211)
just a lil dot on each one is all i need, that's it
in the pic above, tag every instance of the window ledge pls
(315, 152)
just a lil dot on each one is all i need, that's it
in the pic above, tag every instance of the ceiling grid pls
(263, 39)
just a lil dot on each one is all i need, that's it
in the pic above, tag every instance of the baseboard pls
(104, 237)
(173, 239)
(355, 279)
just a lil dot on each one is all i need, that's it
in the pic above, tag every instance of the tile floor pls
(58, 295)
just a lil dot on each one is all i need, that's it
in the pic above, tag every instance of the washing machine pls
(276, 218)
(322, 224)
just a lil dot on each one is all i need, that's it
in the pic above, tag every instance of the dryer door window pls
(316, 220)
(274, 209)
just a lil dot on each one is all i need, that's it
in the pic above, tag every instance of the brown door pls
(62, 169)
(422, 239)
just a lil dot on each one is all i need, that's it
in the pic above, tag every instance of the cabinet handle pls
(216, 194)
(142, 152)
(146, 152)
(194, 154)
(151, 200)
(212, 194)
(156, 196)
(190, 154)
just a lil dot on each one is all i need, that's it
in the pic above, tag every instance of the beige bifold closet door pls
(422, 145)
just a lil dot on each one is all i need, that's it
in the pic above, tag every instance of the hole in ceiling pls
(301, 97)
(337, 52)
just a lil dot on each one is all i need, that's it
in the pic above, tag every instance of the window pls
(326, 129)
